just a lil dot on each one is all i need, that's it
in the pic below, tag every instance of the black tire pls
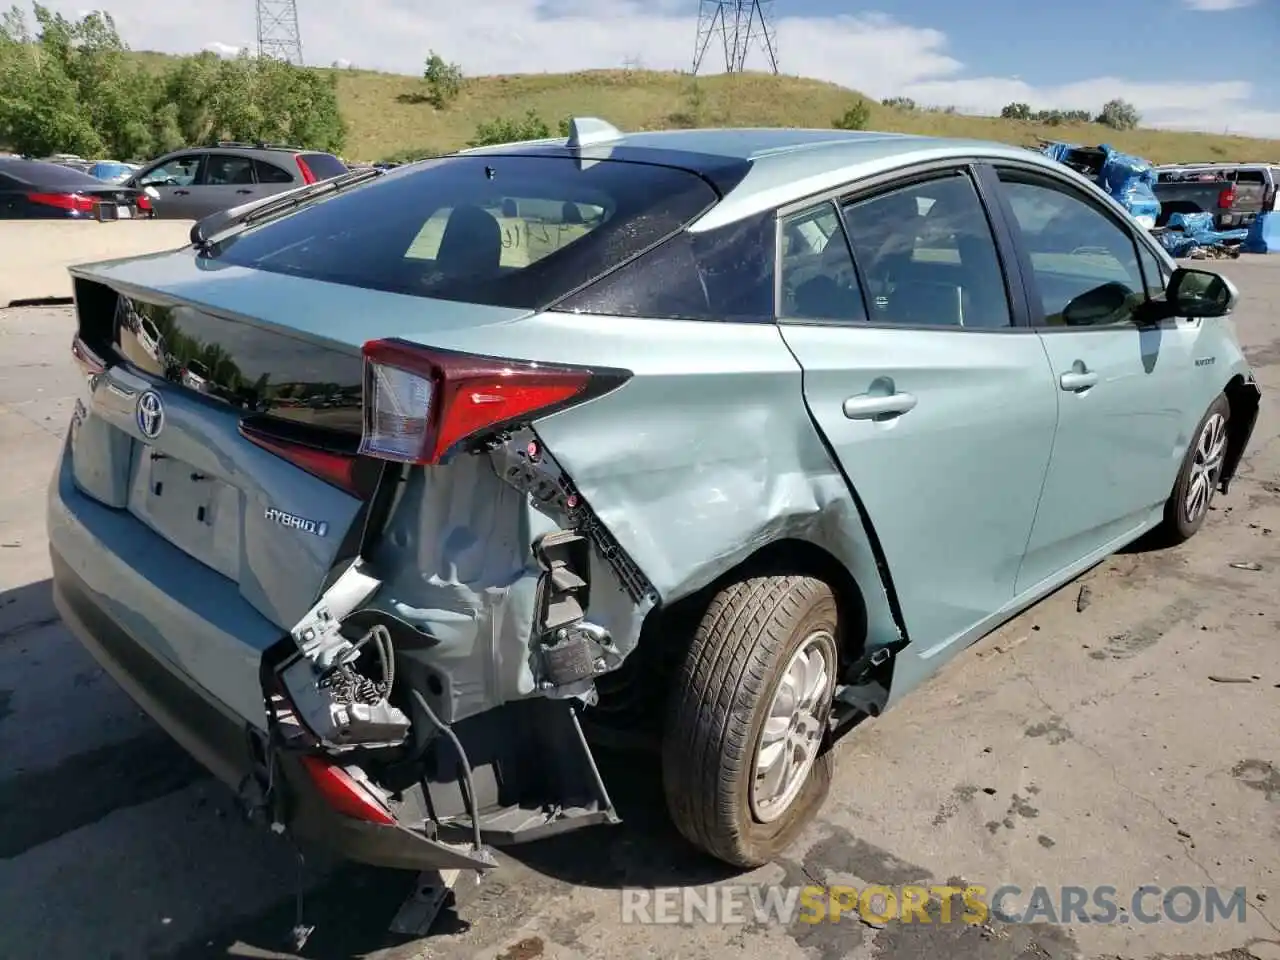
(1177, 527)
(718, 706)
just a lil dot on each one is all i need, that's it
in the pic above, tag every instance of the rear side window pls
(928, 257)
(270, 173)
(722, 274)
(510, 231)
(819, 281)
(1250, 176)
(225, 169)
(323, 165)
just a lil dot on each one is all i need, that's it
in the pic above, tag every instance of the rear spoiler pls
(203, 231)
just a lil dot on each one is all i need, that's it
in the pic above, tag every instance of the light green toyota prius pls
(390, 496)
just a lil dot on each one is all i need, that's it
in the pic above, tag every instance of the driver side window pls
(1085, 264)
(178, 172)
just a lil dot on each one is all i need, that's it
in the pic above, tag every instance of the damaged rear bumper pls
(219, 741)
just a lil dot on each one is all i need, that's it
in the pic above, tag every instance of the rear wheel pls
(1188, 505)
(745, 764)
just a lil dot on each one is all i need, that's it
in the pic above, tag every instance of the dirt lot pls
(1083, 744)
(36, 254)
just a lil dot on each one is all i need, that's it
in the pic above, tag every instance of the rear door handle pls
(1075, 380)
(244, 191)
(868, 406)
(181, 193)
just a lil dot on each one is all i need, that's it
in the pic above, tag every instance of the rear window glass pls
(324, 165)
(513, 231)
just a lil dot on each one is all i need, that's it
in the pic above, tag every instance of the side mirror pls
(1099, 306)
(1200, 293)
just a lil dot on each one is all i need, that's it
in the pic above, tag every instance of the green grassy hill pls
(387, 114)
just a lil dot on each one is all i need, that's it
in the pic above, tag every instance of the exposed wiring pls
(452, 737)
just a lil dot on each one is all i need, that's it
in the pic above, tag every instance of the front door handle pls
(181, 193)
(1076, 380)
(869, 406)
(244, 191)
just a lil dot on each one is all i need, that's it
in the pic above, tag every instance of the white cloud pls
(222, 49)
(870, 52)
(1215, 6)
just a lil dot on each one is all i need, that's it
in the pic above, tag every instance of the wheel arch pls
(867, 615)
(1244, 398)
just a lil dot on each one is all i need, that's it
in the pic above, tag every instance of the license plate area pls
(197, 513)
(105, 210)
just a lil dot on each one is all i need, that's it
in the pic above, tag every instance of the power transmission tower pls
(278, 34)
(740, 25)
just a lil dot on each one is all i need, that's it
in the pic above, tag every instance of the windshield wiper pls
(203, 231)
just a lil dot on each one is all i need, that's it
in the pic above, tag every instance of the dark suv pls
(193, 183)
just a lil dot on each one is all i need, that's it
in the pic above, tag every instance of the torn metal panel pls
(704, 474)
(458, 553)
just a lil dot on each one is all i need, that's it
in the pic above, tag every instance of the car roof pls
(788, 165)
(31, 170)
(248, 149)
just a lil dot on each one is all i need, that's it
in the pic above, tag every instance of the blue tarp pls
(1264, 235)
(1186, 231)
(1128, 179)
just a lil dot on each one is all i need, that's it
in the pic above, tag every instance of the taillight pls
(344, 793)
(341, 469)
(421, 404)
(90, 363)
(1227, 198)
(307, 175)
(63, 201)
(144, 202)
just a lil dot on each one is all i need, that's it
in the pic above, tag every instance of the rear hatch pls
(231, 437)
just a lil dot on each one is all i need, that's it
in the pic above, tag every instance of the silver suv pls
(195, 182)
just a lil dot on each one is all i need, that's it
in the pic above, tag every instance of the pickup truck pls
(1234, 193)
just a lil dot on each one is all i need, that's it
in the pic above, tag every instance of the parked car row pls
(187, 184)
(38, 190)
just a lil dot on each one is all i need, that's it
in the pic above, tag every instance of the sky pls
(975, 56)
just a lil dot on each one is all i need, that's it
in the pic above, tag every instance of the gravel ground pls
(1082, 744)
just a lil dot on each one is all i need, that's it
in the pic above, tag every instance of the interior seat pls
(471, 245)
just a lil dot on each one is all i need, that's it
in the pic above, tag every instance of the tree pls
(855, 118)
(1119, 115)
(444, 81)
(899, 103)
(71, 87)
(1016, 111)
(510, 130)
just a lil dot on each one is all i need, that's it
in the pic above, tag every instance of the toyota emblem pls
(150, 414)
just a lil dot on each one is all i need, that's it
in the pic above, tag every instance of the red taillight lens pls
(89, 362)
(63, 201)
(420, 404)
(144, 202)
(1226, 198)
(307, 175)
(344, 793)
(339, 469)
